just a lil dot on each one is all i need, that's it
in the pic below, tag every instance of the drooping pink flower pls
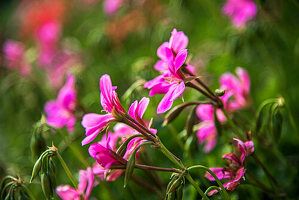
(60, 112)
(238, 86)
(86, 183)
(111, 6)
(94, 123)
(235, 170)
(240, 11)
(15, 58)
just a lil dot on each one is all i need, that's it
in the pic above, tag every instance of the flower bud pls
(36, 168)
(219, 92)
(46, 185)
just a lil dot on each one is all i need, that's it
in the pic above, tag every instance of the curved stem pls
(202, 194)
(213, 187)
(224, 192)
(67, 170)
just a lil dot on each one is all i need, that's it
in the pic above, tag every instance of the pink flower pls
(235, 170)
(60, 111)
(86, 182)
(173, 55)
(15, 58)
(240, 11)
(94, 123)
(207, 131)
(103, 154)
(171, 82)
(111, 6)
(47, 36)
(238, 86)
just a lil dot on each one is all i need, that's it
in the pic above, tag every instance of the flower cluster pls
(236, 169)
(236, 97)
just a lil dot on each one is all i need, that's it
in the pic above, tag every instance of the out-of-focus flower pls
(47, 36)
(14, 56)
(111, 6)
(207, 131)
(35, 14)
(94, 123)
(238, 86)
(235, 170)
(240, 11)
(235, 98)
(86, 182)
(60, 112)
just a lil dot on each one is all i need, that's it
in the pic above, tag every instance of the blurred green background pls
(268, 48)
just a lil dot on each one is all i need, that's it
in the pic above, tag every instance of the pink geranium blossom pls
(15, 56)
(238, 86)
(207, 131)
(86, 182)
(172, 56)
(235, 170)
(94, 123)
(60, 112)
(102, 151)
(240, 11)
(235, 98)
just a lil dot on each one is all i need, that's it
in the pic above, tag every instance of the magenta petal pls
(161, 66)
(165, 104)
(180, 59)
(161, 51)
(244, 78)
(178, 91)
(132, 109)
(218, 171)
(142, 106)
(205, 112)
(232, 185)
(65, 192)
(178, 40)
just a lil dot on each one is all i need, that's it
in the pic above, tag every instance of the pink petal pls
(161, 66)
(65, 192)
(205, 112)
(180, 59)
(244, 78)
(178, 40)
(161, 51)
(142, 106)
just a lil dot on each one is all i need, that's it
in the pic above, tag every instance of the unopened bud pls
(219, 92)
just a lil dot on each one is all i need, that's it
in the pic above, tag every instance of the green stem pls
(202, 194)
(224, 192)
(291, 118)
(232, 124)
(67, 170)
(269, 175)
(170, 156)
(175, 135)
(74, 149)
(29, 192)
